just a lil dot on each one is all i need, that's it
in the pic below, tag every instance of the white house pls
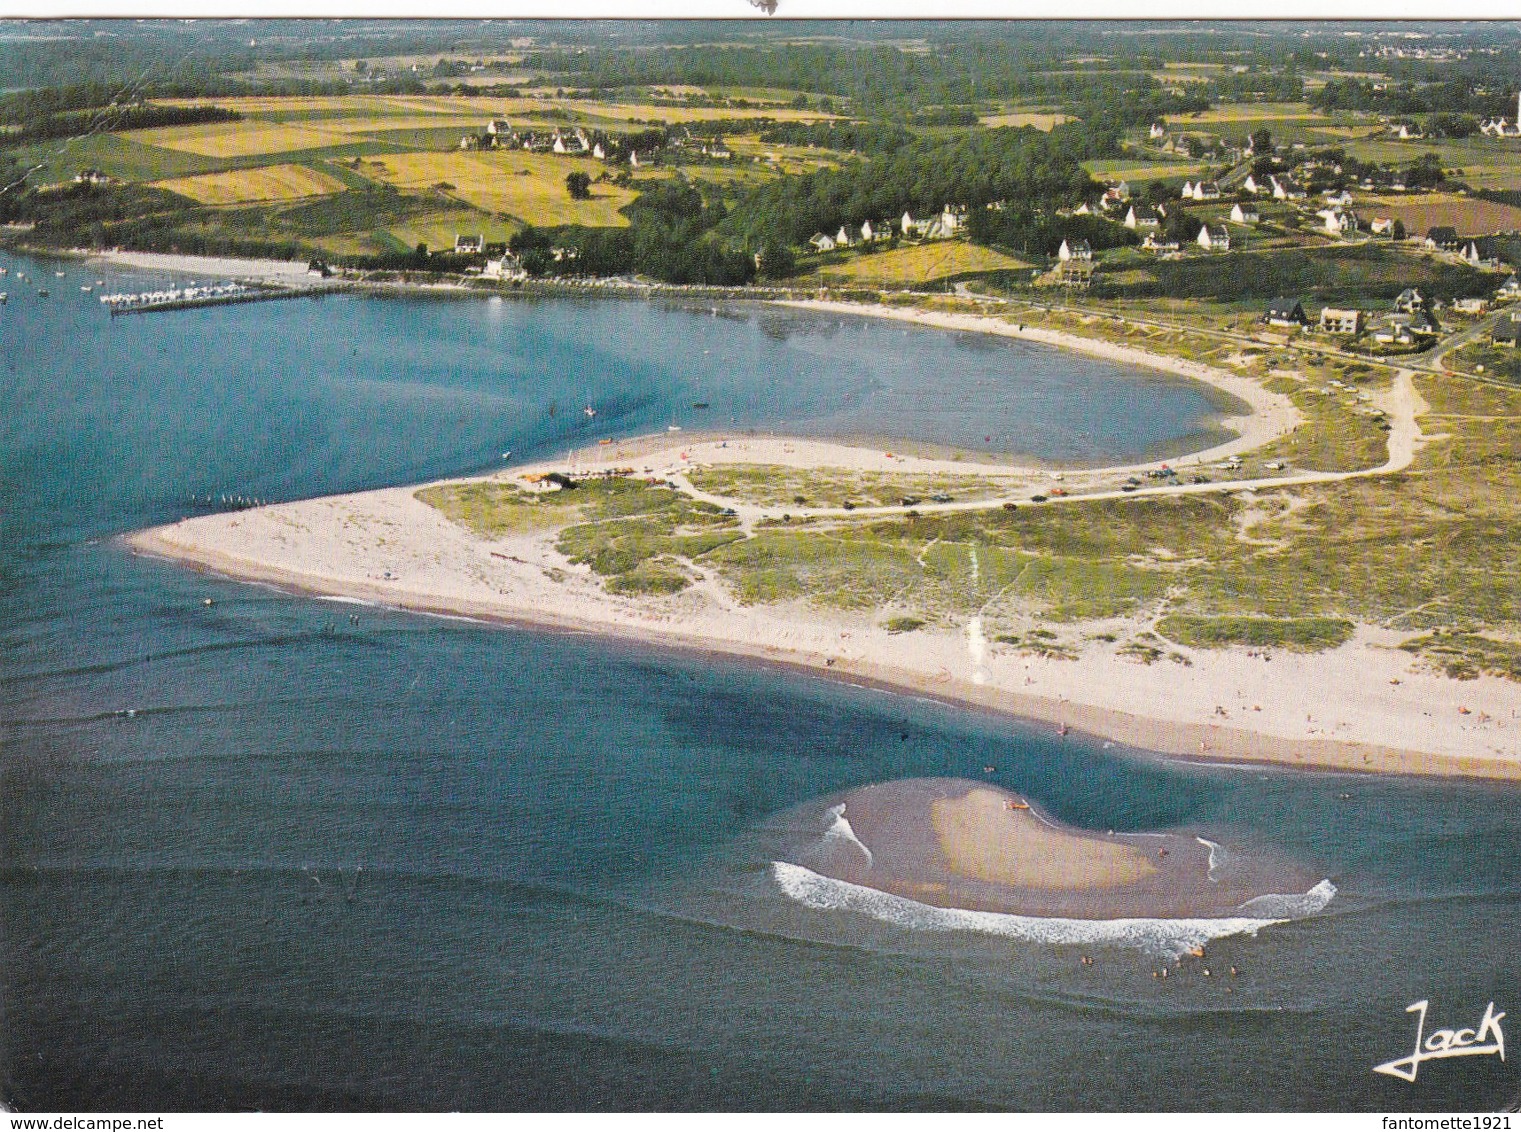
(559, 144)
(469, 245)
(1335, 320)
(1187, 191)
(1206, 190)
(867, 233)
(633, 159)
(1338, 222)
(498, 127)
(1253, 186)
(1139, 216)
(1245, 214)
(507, 267)
(1510, 289)
(598, 152)
(1075, 249)
(906, 225)
(842, 237)
(822, 243)
(1157, 132)
(1381, 226)
(1214, 238)
(1286, 189)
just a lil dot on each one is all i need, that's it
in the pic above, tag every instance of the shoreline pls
(1138, 707)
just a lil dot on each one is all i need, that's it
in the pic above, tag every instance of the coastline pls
(1365, 706)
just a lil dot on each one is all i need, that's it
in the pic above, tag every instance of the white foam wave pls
(1291, 906)
(1216, 856)
(341, 599)
(840, 832)
(1169, 937)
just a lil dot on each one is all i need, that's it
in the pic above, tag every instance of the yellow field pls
(488, 107)
(359, 104)
(1140, 171)
(439, 229)
(1039, 121)
(1429, 210)
(1368, 131)
(528, 186)
(245, 186)
(239, 139)
(373, 123)
(921, 264)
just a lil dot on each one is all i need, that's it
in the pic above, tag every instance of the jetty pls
(208, 295)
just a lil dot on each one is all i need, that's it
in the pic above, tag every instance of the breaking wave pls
(1169, 937)
(1216, 856)
(840, 832)
(1287, 906)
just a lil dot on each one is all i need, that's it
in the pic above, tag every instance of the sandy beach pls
(215, 267)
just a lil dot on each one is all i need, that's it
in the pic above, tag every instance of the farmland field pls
(1039, 121)
(1250, 112)
(1141, 170)
(922, 264)
(439, 229)
(1471, 217)
(242, 186)
(1485, 163)
(526, 186)
(240, 139)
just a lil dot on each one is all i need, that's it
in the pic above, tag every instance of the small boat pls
(1062, 730)
(1015, 804)
(589, 411)
(43, 292)
(3, 297)
(86, 288)
(673, 428)
(59, 274)
(699, 404)
(607, 440)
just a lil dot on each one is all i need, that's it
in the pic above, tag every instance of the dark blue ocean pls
(257, 856)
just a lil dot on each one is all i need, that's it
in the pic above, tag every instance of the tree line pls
(114, 119)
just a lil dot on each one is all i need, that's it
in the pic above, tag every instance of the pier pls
(211, 295)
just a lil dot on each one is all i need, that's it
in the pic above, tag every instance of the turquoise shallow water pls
(418, 863)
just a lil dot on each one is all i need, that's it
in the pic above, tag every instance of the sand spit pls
(1363, 706)
(959, 844)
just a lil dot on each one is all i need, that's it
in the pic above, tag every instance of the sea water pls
(257, 855)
